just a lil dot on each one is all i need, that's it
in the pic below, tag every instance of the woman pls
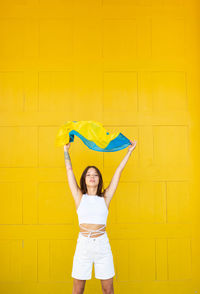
(92, 208)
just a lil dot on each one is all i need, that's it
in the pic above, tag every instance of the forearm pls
(124, 161)
(70, 174)
(68, 163)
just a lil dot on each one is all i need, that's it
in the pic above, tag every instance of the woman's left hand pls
(132, 146)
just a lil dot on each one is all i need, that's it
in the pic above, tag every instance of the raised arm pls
(70, 174)
(115, 179)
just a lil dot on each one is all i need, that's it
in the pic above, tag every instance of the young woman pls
(92, 208)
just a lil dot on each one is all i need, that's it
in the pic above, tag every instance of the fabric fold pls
(93, 135)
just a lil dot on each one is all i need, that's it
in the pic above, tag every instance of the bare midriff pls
(87, 228)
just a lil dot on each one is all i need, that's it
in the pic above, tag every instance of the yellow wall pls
(134, 66)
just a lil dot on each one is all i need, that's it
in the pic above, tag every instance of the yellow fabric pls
(91, 130)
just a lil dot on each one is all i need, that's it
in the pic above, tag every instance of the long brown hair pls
(83, 186)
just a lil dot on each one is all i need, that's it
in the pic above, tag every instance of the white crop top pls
(92, 210)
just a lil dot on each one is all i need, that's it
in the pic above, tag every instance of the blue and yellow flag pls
(93, 135)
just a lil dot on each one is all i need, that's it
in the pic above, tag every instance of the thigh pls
(104, 263)
(82, 262)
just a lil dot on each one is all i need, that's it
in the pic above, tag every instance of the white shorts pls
(89, 250)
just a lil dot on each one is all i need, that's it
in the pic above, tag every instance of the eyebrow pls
(89, 173)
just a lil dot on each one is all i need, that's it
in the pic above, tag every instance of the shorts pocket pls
(81, 246)
(80, 240)
(105, 245)
(79, 243)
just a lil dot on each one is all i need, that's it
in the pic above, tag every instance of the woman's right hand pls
(66, 147)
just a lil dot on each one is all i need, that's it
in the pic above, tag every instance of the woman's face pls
(92, 178)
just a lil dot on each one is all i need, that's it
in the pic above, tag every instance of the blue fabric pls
(118, 143)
